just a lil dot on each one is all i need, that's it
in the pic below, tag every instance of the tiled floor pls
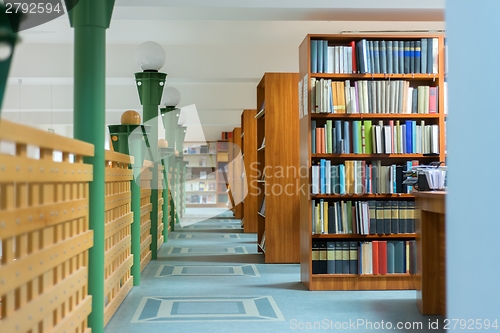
(209, 277)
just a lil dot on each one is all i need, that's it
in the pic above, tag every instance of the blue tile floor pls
(210, 278)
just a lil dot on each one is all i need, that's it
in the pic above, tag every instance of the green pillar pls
(90, 19)
(165, 155)
(180, 134)
(128, 139)
(150, 87)
(9, 25)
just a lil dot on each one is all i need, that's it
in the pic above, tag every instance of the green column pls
(90, 19)
(127, 139)
(150, 87)
(170, 118)
(165, 155)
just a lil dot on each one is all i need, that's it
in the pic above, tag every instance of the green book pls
(368, 136)
(329, 138)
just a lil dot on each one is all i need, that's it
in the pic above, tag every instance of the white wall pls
(473, 247)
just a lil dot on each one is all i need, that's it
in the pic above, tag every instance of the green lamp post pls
(128, 138)
(150, 57)
(9, 25)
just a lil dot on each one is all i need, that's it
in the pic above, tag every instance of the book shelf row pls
(374, 217)
(368, 137)
(372, 97)
(359, 177)
(370, 258)
(375, 56)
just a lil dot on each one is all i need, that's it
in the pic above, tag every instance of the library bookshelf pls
(278, 161)
(201, 184)
(357, 76)
(249, 179)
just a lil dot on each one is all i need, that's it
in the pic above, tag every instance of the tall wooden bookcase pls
(307, 158)
(201, 184)
(249, 186)
(278, 161)
(222, 162)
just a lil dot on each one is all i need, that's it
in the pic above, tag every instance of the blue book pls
(342, 178)
(407, 56)
(320, 56)
(409, 167)
(369, 68)
(401, 59)
(423, 55)
(412, 56)
(371, 47)
(395, 57)
(390, 70)
(364, 56)
(346, 138)
(355, 137)
(376, 56)
(338, 137)
(403, 134)
(313, 136)
(409, 137)
(325, 56)
(322, 176)
(399, 256)
(430, 58)
(314, 56)
(383, 57)
(418, 53)
(390, 257)
(359, 57)
(414, 136)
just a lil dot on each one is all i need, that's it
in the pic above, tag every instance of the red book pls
(432, 99)
(354, 66)
(375, 257)
(318, 140)
(382, 257)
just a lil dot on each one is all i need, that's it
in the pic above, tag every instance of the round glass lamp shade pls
(150, 56)
(171, 96)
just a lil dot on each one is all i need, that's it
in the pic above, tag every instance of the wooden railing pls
(118, 218)
(44, 232)
(146, 208)
(160, 206)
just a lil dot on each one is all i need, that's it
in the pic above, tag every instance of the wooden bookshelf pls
(249, 154)
(236, 171)
(307, 159)
(277, 122)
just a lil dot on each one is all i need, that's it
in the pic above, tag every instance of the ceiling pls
(216, 51)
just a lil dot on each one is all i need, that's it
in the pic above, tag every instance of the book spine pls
(314, 56)
(345, 257)
(353, 257)
(330, 257)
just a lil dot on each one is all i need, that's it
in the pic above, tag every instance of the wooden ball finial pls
(176, 153)
(162, 143)
(131, 117)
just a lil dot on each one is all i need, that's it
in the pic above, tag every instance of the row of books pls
(201, 199)
(372, 96)
(367, 137)
(201, 186)
(374, 258)
(376, 56)
(359, 177)
(201, 149)
(363, 217)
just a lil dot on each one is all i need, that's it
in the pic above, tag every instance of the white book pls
(341, 59)
(354, 104)
(418, 143)
(379, 97)
(392, 97)
(315, 179)
(427, 148)
(347, 56)
(330, 62)
(373, 101)
(395, 137)
(328, 174)
(435, 139)
(337, 60)
(313, 95)
(387, 139)
(361, 107)
(409, 100)
(422, 136)
(435, 47)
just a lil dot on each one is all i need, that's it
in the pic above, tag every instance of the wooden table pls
(431, 252)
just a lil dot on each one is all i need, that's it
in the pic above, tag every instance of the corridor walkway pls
(210, 278)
